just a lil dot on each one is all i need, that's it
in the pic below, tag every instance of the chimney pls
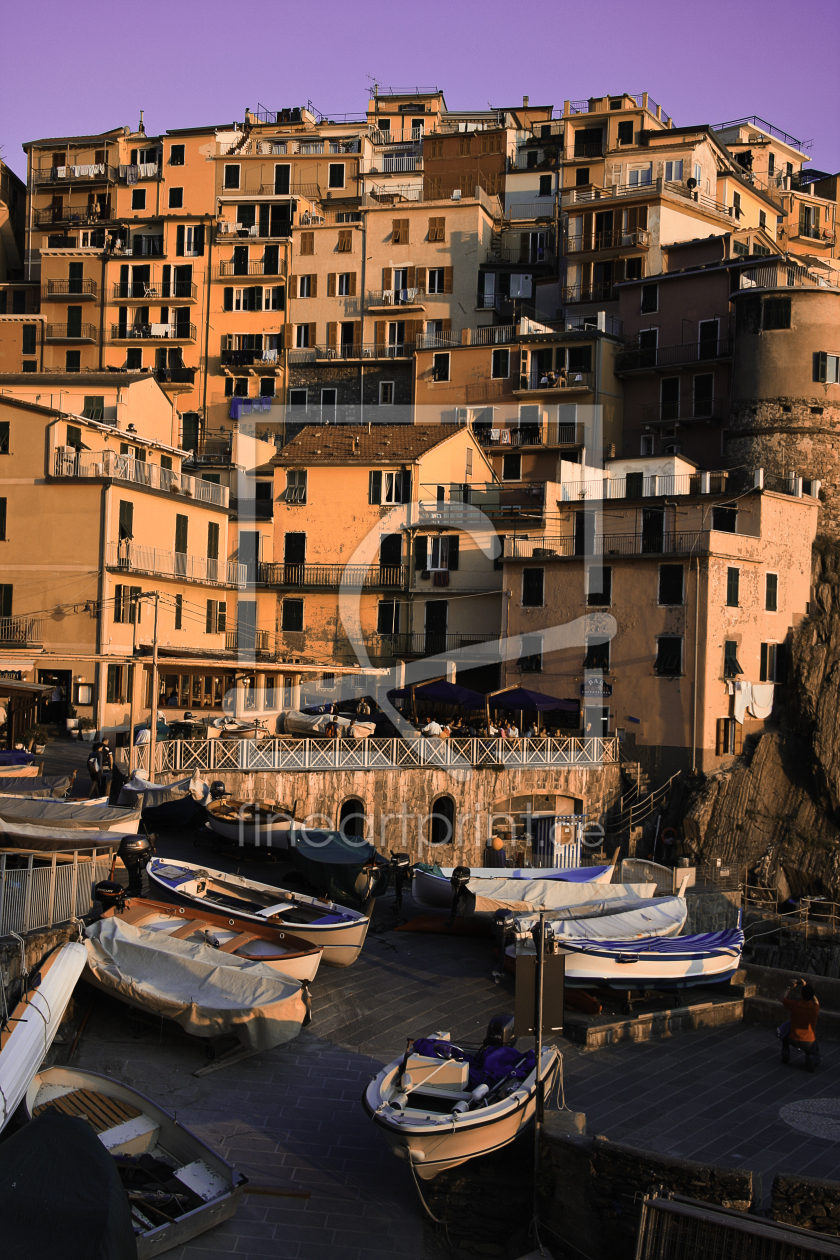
(141, 129)
(525, 100)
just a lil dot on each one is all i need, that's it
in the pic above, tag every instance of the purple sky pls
(95, 65)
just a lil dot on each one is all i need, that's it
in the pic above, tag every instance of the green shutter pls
(228, 303)
(820, 366)
(179, 240)
(375, 487)
(454, 549)
(181, 534)
(420, 554)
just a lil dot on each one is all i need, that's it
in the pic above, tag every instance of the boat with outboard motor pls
(680, 962)
(441, 1104)
(431, 885)
(263, 824)
(612, 921)
(339, 930)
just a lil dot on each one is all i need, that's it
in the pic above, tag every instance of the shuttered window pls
(733, 584)
(437, 229)
(307, 243)
(345, 242)
(399, 232)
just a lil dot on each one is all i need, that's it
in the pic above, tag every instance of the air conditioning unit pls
(456, 196)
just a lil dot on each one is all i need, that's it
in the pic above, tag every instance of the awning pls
(521, 698)
(442, 692)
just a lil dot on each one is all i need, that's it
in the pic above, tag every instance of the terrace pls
(129, 556)
(139, 472)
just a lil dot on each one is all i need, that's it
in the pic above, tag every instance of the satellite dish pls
(691, 183)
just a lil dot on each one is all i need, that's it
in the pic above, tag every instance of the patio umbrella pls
(521, 700)
(441, 692)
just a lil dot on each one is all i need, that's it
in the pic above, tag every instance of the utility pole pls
(155, 595)
(132, 697)
(538, 1093)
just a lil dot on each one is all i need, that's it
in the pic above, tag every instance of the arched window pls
(352, 823)
(442, 823)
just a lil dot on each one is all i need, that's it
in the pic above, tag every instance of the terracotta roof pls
(351, 444)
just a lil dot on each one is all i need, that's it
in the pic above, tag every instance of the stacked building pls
(482, 375)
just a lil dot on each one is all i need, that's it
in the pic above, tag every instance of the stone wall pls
(806, 1202)
(345, 377)
(36, 946)
(590, 1189)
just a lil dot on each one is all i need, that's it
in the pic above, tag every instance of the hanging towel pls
(743, 699)
(761, 703)
(505, 434)
(494, 435)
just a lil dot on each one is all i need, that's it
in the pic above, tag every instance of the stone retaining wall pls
(806, 1202)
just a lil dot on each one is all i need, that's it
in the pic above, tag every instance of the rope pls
(428, 1210)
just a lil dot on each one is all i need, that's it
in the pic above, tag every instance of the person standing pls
(94, 768)
(804, 1008)
(106, 761)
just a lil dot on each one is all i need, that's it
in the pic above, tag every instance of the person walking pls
(106, 761)
(94, 768)
(801, 1030)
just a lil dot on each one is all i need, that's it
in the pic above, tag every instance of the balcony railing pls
(530, 210)
(250, 358)
(178, 564)
(97, 172)
(438, 341)
(395, 297)
(562, 380)
(782, 273)
(533, 256)
(494, 335)
(527, 435)
(70, 288)
(175, 375)
(430, 643)
(331, 576)
(21, 630)
(132, 172)
(70, 332)
(140, 472)
(389, 163)
(153, 332)
(467, 502)
(642, 486)
(647, 543)
(586, 149)
(214, 448)
(253, 267)
(646, 359)
(313, 354)
(226, 230)
(603, 291)
(153, 290)
(251, 643)
(53, 215)
(592, 242)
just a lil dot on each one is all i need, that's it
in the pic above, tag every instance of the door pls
(704, 395)
(240, 260)
(603, 229)
(246, 626)
(249, 553)
(390, 556)
(708, 344)
(647, 347)
(271, 260)
(653, 529)
(74, 321)
(281, 180)
(669, 408)
(281, 219)
(181, 531)
(437, 618)
(183, 282)
(124, 283)
(294, 558)
(52, 707)
(396, 337)
(76, 275)
(140, 280)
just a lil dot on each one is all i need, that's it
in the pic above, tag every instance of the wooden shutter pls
(403, 231)
(411, 328)
(345, 241)
(357, 334)
(312, 337)
(643, 213)
(387, 278)
(720, 740)
(288, 335)
(421, 279)
(307, 242)
(179, 241)
(632, 219)
(454, 552)
(411, 277)
(395, 231)
(228, 302)
(379, 332)
(210, 623)
(446, 325)
(374, 487)
(332, 334)
(447, 279)
(762, 673)
(739, 738)
(331, 284)
(352, 284)
(313, 286)
(420, 553)
(293, 286)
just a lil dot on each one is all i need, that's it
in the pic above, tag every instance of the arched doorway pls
(352, 821)
(442, 821)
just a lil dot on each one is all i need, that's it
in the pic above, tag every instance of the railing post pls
(2, 890)
(74, 880)
(51, 901)
(27, 896)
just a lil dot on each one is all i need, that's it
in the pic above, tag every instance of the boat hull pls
(243, 832)
(680, 963)
(434, 892)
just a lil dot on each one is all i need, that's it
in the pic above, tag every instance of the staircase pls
(636, 803)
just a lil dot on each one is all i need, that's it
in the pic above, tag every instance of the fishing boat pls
(29, 1032)
(163, 805)
(339, 930)
(69, 815)
(262, 824)
(345, 868)
(654, 963)
(233, 728)
(431, 887)
(207, 992)
(440, 1104)
(314, 725)
(611, 921)
(25, 771)
(227, 933)
(32, 786)
(22, 835)
(484, 897)
(176, 1186)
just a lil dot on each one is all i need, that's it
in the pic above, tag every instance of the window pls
(440, 367)
(771, 592)
(336, 178)
(307, 243)
(216, 618)
(345, 241)
(580, 359)
(292, 616)
(650, 298)
(733, 582)
(179, 612)
(240, 387)
(73, 361)
(126, 521)
(298, 397)
(599, 594)
(346, 287)
(231, 177)
(176, 155)
(501, 364)
(388, 617)
(2, 520)
(633, 269)
(725, 519)
(533, 581)
(397, 487)
(597, 654)
(267, 387)
(30, 365)
(731, 667)
(113, 685)
(133, 359)
(511, 467)
(775, 313)
(736, 204)
(469, 462)
(673, 171)
(730, 737)
(127, 604)
(296, 485)
(437, 229)
(668, 655)
(545, 186)
(138, 198)
(647, 444)
(386, 393)
(176, 198)
(762, 219)
(826, 368)
(435, 280)
(671, 584)
(302, 338)
(581, 176)
(531, 654)
(773, 663)
(625, 131)
(399, 231)
(30, 333)
(771, 163)
(305, 286)
(640, 176)
(74, 438)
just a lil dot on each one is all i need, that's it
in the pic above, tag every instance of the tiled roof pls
(351, 444)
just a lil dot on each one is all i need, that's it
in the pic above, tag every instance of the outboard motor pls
(500, 1031)
(110, 894)
(135, 852)
(501, 932)
(217, 790)
(401, 867)
(459, 879)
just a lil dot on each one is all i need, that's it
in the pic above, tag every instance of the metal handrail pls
(139, 471)
(332, 575)
(138, 559)
(70, 288)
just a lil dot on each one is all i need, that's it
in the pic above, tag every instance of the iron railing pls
(370, 350)
(174, 375)
(153, 332)
(677, 542)
(70, 332)
(140, 472)
(532, 256)
(431, 643)
(70, 288)
(254, 642)
(562, 381)
(153, 290)
(54, 215)
(96, 172)
(253, 267)
(45, 891)
(592, 242)
(603, 291)
(23, 630)
(129, 555)
(530, 210)
(331, 576)
(642, 486)
(645, 359)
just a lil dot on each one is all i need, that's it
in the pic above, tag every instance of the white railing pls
(494, 335)
(531, 210)
(180, 756)
(438, 341)
(51, 892)
(139, 471)
(647, 487)
(397, 162)
(137, 559)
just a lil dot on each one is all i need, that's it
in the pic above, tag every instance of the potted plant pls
(39, 740)
(72, 719)
(87, 726)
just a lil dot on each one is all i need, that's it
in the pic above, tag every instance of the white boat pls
(656, 916)
(258, 823)
(339, 930)
(314, 725)
(24, 1042)
(207, 992)
(69, 815)
(431, 888)
(22, 835)
(486, 896)
(432, 1111)
(203, 1189)
(654, 963)
(32, 786)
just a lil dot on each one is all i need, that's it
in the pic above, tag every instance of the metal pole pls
(538, 1111)
(154, 697)
(132, 706)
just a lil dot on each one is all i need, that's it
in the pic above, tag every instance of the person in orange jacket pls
(804, 1009)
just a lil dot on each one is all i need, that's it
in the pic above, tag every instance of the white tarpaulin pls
(487, 896)
(611, 921)
(208, 993)
(308, 724)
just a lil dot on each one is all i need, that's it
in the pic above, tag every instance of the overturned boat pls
(441, 1104)
(344, 868)
(654, 963)
(432, 888)
(484, 897)
(35, 785)
(338, 930)
(176, 1187)
(58, 839)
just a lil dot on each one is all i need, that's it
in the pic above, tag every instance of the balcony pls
(154, 291)
(128, 556)
(331, 576)
(585, 149)
(593, 242)
(637, 486)
(604, 291)
(782, 273)
(70, 332)
(467, 503)
(21, 631)
(153, 332)
(53, 216)
(529, 211)
(69, 288)
(139, 472)
(369, 350)
(93, 173)
(431, 643)
(379, 138)
(226, 232)
(240, 407)
(182, 378)
(691, 411)
(394, 163)
(647, 543)
(131, 173)
(251, 642)
(563, 382)
(552, 434)
(253, 267)
(535, 256)
(214, 448)
(378, 299)
(650, 359)
(250, 358)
